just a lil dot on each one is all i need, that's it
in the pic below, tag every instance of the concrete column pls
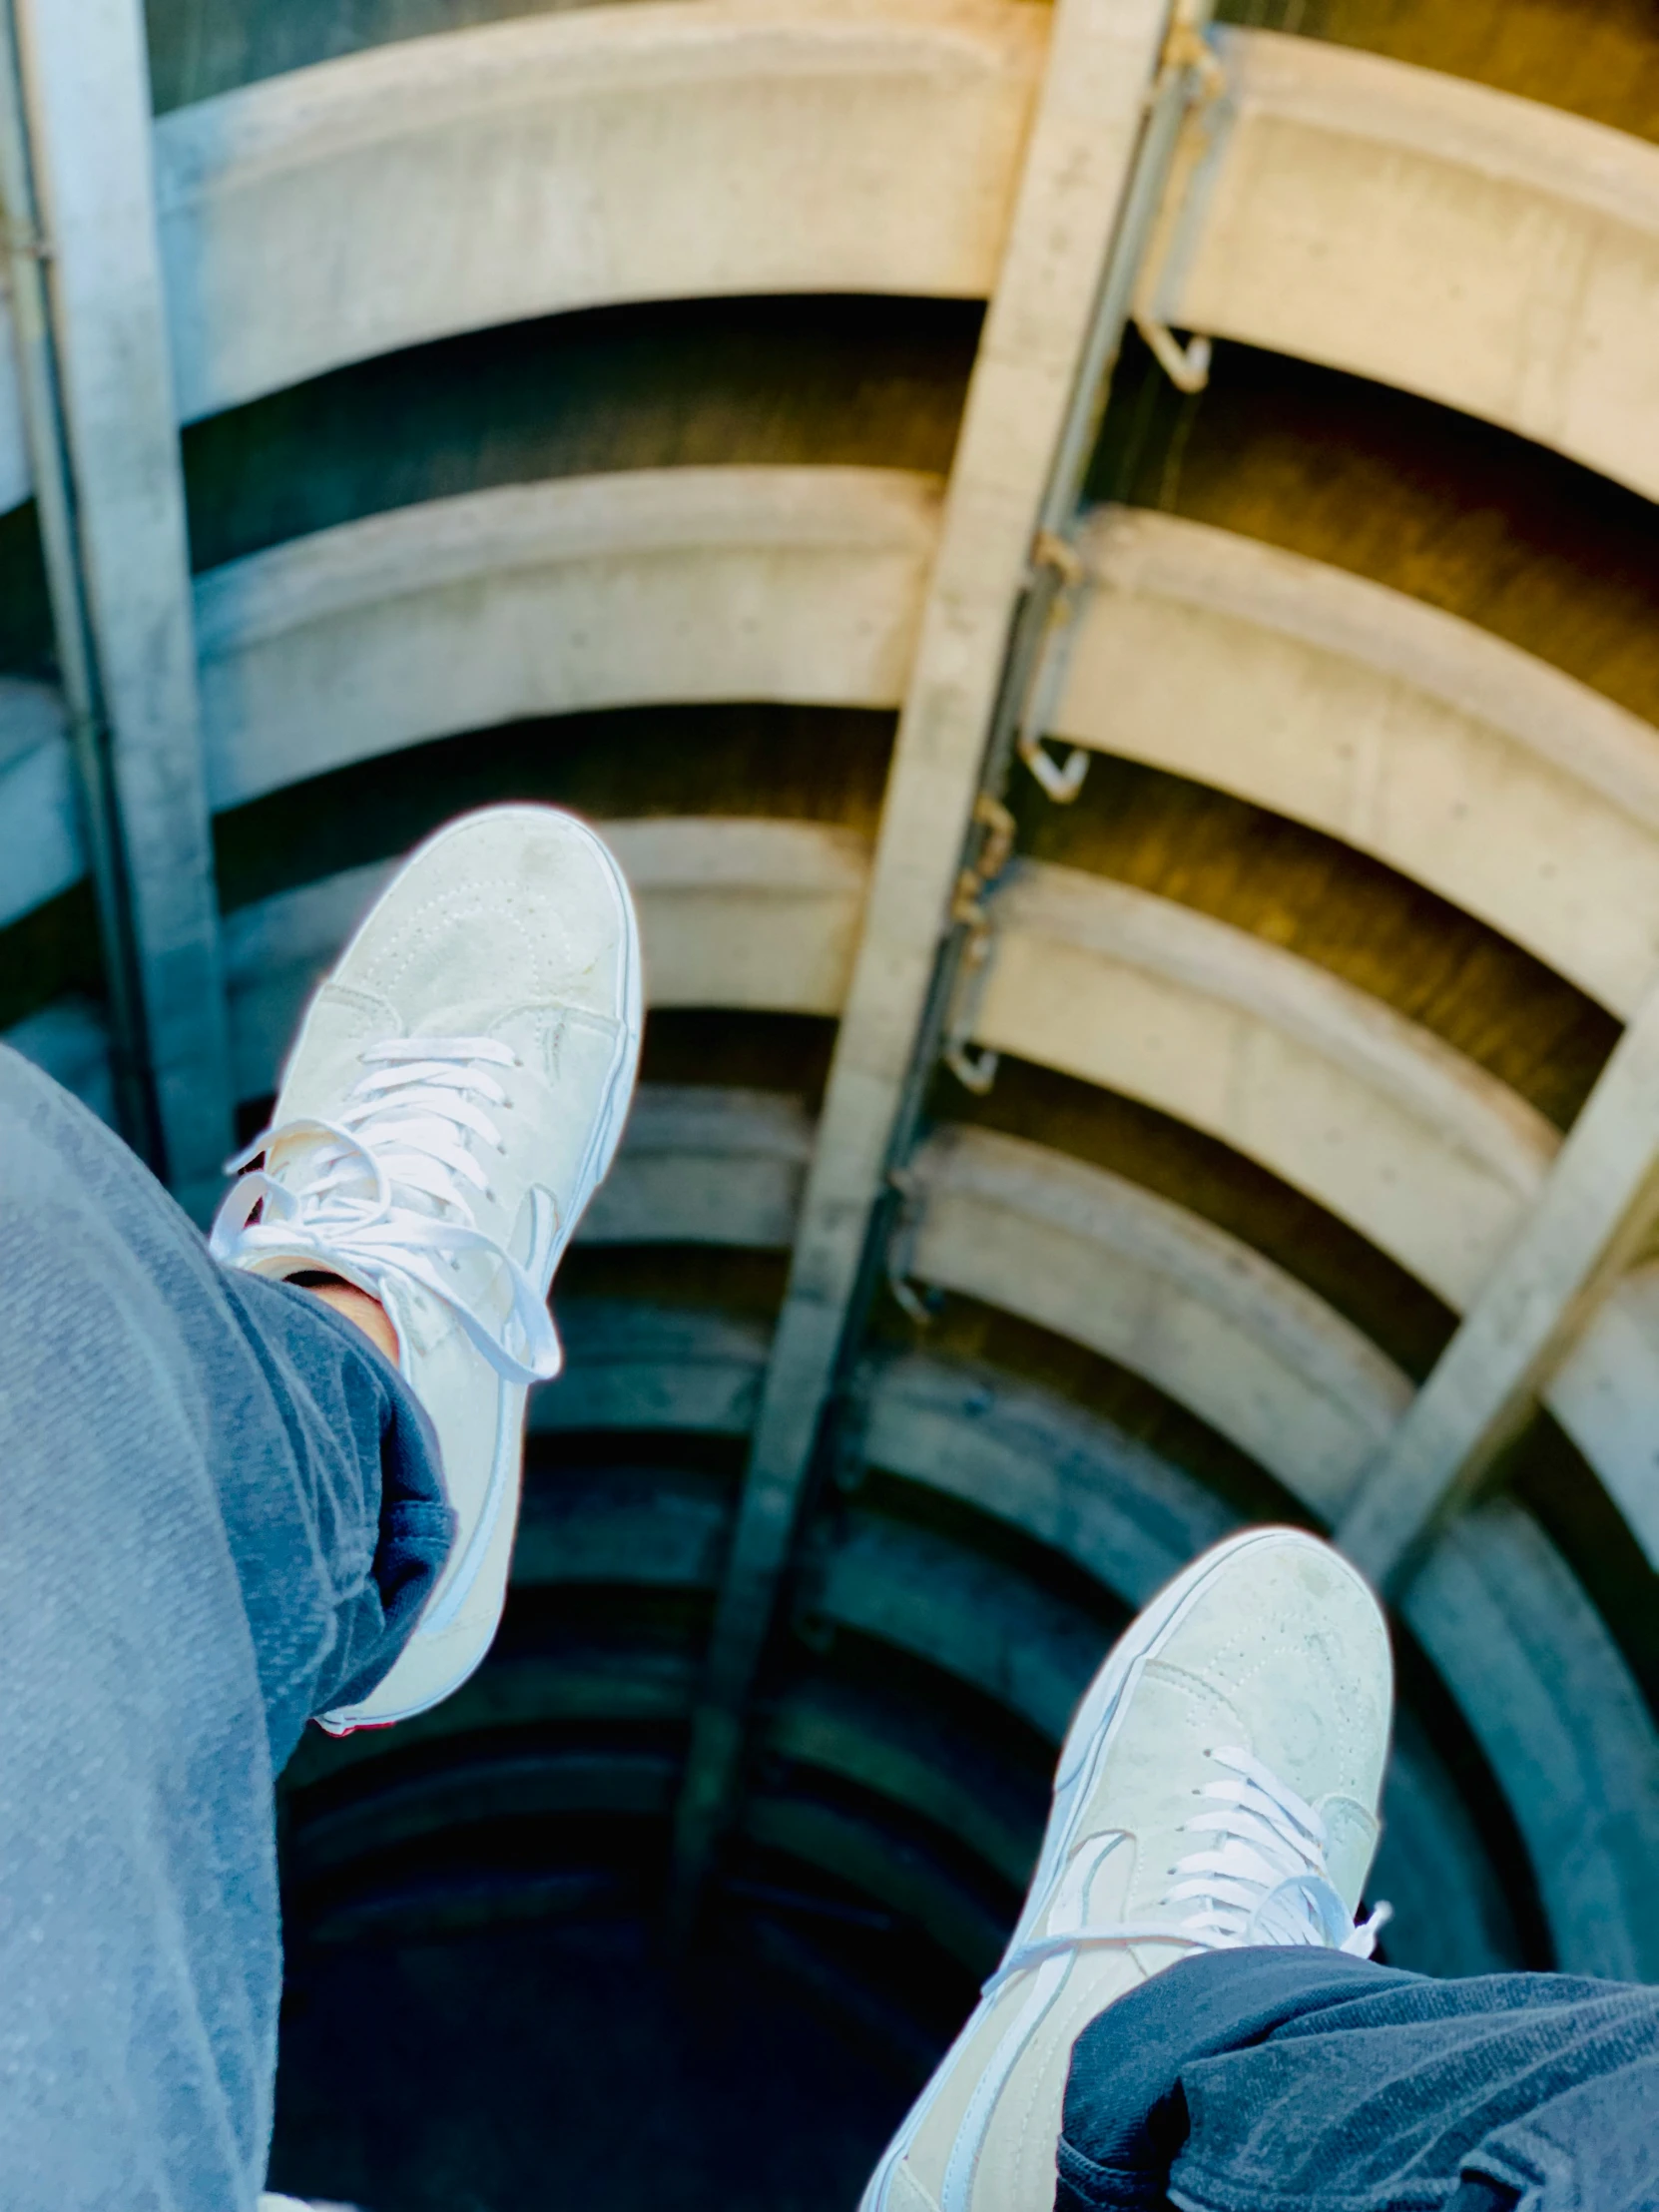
(1079, 158)
(87, 103)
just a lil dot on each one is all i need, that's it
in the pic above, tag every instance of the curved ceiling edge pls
(490, 175)
(795, 584)
(1488, 776)
(1486, 251)
(1381, 1123)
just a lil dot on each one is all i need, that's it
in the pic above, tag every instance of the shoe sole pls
(596, 1166)
(1095, 1724)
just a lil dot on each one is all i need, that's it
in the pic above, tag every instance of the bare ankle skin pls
(364, 1312)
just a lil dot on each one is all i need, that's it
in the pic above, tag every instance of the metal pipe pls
(27, 252)
(1182, 65)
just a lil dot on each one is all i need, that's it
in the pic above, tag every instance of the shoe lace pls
(383, 1190)
(1259, 1877)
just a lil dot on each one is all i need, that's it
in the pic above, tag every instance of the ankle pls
(364, 1312)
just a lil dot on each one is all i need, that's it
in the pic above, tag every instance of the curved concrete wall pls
(1368, 1113)
(799, 585)
(629, 1365)
(713, 1166)
(1549, 1697)
(1512, 791)
(704, 1165)
(669, 585)
(1074, 1482)
(1505, 787)
(668, 150)
(1486, 251)
(484, 176)
(1605, 1394)
(1076, 1486)
(1214, 1326)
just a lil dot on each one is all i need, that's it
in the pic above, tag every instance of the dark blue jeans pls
(220, 1510)
(1266, 2080)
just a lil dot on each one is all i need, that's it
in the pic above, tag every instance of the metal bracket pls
(992, 858)
(1187, 366)
(1187, 55)
(901, 1245)
(975, 1071)
(1187, 48)
(1060, 781)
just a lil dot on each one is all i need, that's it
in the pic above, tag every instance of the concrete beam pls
(1078, 164)
(1590, 1220)
(86, 92)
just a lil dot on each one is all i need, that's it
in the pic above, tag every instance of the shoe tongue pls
(340, 1023)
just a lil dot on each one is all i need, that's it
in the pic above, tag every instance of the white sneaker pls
(1218, 1787)
(455, 1096)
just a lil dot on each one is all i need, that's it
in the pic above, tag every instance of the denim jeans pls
(220, 1511)
(1261, 2080)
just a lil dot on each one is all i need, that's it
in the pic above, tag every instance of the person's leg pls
(1244, 2080)
(1217, 1788)
(1125, 2117)
(224, 1508)
(195, 1555)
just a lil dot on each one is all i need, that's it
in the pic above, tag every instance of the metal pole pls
(27, 252)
